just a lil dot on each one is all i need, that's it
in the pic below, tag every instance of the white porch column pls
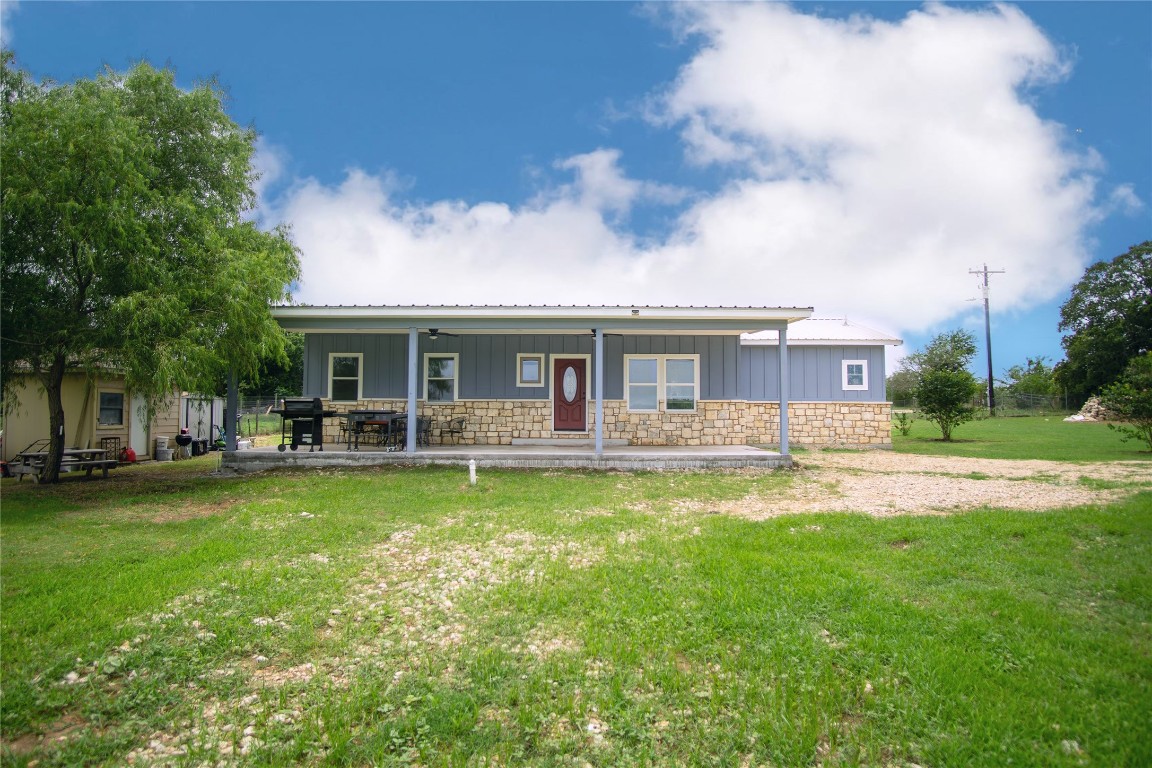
(598, 362)
(231, 408)
(413, 368)
(783, 390)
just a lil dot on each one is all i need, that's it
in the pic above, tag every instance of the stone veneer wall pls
(498, 422)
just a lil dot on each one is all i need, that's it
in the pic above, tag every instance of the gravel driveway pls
(883, 483)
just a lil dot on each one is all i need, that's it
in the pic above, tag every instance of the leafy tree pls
(1129, 399)
(1034, 378)
(946, 386)
(1109, 317)
(284, 375)
(126, 245)
(952, 351)
(901, 385)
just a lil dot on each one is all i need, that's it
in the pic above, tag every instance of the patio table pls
(33, 462)
(360, 422)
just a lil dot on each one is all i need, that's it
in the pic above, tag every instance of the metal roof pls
(824, 331)
(535, 318)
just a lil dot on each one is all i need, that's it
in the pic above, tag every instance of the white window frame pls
(541, 358)
(123, 407)
(455, 375)
(359, 375)
(662, 383)
(844, 375)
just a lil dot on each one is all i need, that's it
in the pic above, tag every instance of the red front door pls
(569, 395)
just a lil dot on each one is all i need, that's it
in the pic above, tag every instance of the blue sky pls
(858, 158)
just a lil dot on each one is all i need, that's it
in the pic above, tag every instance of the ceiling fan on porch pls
(435, 333)
(592, 333)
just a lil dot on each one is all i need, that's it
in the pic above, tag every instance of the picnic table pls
(88, 459)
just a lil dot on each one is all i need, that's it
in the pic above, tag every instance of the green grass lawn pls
(1024, 437)
(401, 616)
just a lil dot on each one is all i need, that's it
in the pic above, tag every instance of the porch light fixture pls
(433, 333)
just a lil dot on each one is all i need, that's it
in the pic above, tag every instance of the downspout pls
(413, 423)
(599, 364)
(783, 390)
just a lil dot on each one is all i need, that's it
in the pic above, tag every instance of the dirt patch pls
(59, 731)
(272, 677)
(181, 512)
(882, 483)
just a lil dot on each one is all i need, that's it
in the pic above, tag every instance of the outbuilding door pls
(569, 394)
(138, 427)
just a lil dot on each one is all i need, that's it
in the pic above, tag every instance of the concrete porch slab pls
(518, 456)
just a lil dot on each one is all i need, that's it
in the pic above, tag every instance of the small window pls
(111, 409)
(529, 370)
(440, 377)
(855, 374)
(345, 380)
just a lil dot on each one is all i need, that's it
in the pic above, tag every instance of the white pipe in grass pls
(472, 471)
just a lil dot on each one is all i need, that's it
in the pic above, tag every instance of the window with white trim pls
(441, 375)
(111, 413)
(854, 374)
(656, 383)
(529, 369)
(345, 376)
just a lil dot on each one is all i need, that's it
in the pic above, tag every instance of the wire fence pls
(1007, 404)
(256, 418)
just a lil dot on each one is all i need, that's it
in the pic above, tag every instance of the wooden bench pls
(88, 465)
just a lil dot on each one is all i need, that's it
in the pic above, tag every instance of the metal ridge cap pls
(522, 310)
(541, 306)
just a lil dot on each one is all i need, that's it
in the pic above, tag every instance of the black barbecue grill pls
(306, 415)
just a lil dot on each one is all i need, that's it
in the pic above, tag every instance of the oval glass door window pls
(569, 384)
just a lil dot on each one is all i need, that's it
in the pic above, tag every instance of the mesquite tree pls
(946, 386)
(126, 243)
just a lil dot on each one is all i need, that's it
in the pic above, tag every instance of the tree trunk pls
(54, 390)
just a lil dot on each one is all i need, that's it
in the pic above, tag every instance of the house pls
(684, 376)
(98, 411)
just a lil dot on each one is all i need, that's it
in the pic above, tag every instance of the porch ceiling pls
(541, 319)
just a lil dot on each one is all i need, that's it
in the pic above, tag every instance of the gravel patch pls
(882, 483)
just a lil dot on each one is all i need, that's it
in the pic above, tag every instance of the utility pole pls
(988, 332)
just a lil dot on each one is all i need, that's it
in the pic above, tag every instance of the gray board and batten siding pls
(728, 370)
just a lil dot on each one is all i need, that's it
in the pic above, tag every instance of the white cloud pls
(872, 164)
(1125, 200)
(8, 9)
(268, 164)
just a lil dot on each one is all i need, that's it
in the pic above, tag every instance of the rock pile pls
(1093, 410)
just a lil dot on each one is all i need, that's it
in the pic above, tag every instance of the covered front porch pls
(569, 455)
(604, 386)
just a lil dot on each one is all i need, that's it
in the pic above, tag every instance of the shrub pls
(945, 397)
(1129, 400)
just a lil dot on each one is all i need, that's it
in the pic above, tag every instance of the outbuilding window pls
(111, 409)
(854, 375)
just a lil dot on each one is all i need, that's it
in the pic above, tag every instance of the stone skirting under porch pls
(729, 422)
